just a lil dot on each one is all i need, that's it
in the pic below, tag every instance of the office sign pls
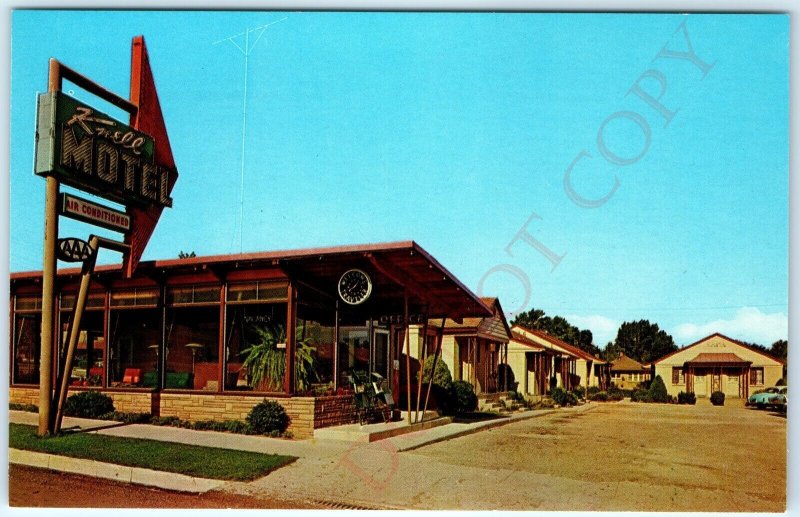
(78, 208)
(89, 150)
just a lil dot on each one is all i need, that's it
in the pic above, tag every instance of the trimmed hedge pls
(600, 396)
(267, 417)
(640, 395)
(88, 404)
(658, 391)
(462, 397)
(718, 398)
(563, 398)
(687, 398)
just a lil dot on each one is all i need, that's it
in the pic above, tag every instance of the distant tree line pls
(558, 327)
(640, 340)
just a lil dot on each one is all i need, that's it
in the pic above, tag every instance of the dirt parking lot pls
(640, 457)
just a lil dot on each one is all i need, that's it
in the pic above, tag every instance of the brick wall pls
(130, 402)
(333, 410)
(201, 406)
(306, 413)
(23, 396)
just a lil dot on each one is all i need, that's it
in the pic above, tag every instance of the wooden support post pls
(95, 243)
(436, 353)
(423, 357)
(47, 345)
(408, 354)
(291, 325)
(73, 333)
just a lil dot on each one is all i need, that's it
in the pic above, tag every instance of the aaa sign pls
(89, 150)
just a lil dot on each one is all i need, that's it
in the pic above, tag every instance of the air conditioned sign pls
(89, 150)
(92, 213)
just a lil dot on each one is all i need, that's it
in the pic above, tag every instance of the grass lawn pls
(192, 460)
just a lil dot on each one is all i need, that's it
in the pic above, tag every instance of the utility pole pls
(246, 50)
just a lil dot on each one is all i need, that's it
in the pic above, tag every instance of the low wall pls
(333, 410)
(23, 396)
(204, 406)
(306, 413)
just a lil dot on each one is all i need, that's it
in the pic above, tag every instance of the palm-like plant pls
(266, 363)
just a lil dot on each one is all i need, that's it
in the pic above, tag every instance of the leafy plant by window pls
(88, 404)
(268, 417)
(266, 363)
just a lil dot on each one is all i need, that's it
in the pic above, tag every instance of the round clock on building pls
(355, 287)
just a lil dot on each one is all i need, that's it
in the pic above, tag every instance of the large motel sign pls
(130, 164)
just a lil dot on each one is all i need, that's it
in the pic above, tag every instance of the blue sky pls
(452, 129)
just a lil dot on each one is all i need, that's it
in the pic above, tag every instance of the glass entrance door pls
(381, 357)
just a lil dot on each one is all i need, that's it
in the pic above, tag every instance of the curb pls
(121, 473)
(491, 425)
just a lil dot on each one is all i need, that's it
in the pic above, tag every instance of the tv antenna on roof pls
(245, 49)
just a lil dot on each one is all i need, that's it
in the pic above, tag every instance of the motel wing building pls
(718, 363)
(535, 356)
(172, 339)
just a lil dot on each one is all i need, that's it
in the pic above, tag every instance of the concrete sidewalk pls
(343, 472)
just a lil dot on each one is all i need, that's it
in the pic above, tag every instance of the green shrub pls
(543, 404)
(30, 408)
(127, 418)
(781, 382)
(687, 398)
(441, 377)
(172, 421)
(615, 393)
(563, 398)
(517, 397)
(600, 396)
(658, 391)
(268, 416)
(718, 398)
(640, 395)
(593, 389)
(579, 391)
(462, 397)
(88, 404)
(505, 378)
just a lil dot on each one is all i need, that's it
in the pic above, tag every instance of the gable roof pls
(518, 337)
(723, 336)
(625, 364)
(493, 327)
(570, 349)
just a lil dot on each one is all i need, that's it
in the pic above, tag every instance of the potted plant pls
(265, 362)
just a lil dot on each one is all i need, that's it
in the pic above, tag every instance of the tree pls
(643, 341)
(559, 328)
(780, 349)
(183, 255)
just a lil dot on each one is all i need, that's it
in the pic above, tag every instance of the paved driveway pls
(618, 456)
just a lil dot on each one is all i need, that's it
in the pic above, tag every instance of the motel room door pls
(731, 382)
(701, 382)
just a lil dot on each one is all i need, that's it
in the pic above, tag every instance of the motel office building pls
(718, 363)
(171, 340)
